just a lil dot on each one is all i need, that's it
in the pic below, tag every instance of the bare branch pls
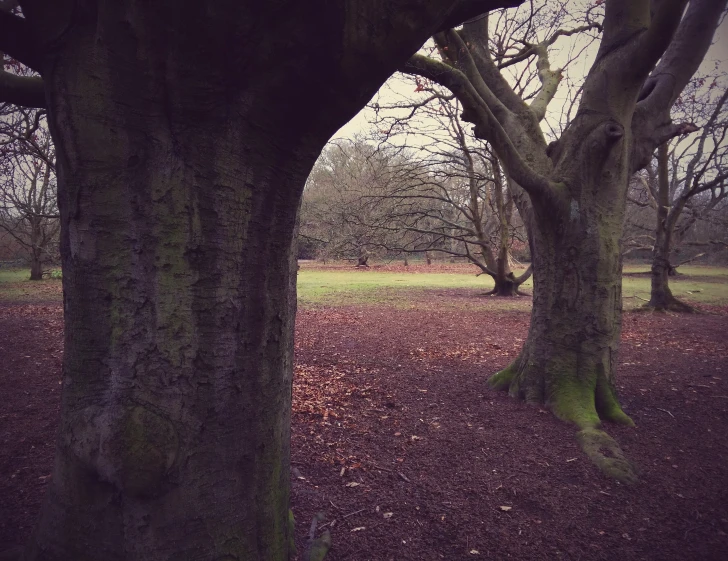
(25, 91)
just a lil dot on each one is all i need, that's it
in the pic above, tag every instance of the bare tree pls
(577, 186)
(28, 208)
(337, 213)
(452, 196)
(685, 183)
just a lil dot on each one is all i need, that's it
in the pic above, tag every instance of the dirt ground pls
(397, 442)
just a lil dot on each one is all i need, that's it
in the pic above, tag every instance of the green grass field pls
(347, 285)
(706, 285)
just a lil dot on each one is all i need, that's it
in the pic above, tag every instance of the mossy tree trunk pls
(567, 362)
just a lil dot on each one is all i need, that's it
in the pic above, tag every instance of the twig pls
(332, 504)
(353, 513)
(312, 531)
(665, 411)
(375, 466)
(698, 386)
(720, 396)
(342, 518)
(403, 476)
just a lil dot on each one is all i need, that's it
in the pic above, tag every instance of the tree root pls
(673, 305)
(501, 381)
(604, 451)
(586, 406)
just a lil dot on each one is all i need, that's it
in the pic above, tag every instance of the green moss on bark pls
(502, 380)
(572, 399)
(607, 404)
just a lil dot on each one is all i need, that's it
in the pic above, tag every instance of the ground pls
(397, 441)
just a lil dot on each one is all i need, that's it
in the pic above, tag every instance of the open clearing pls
(396, 440)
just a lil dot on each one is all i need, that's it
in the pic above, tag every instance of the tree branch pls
(26, 91)
(683, 56)
(468, 9)
(487, 126)
(17, 39)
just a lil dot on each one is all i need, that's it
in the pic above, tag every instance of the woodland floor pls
(396, 440)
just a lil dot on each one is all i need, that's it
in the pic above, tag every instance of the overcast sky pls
(396, 88)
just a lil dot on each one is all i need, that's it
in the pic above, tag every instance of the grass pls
(341, 286)
(397, 289)
(16, 286)
(14, 275)
(702, 285)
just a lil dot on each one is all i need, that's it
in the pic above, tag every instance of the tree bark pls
(179, 304)
(36, 265)
(179, 300)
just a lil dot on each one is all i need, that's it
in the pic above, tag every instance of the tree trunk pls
(36, 266)
(661, 298)
(568, 360)
(179, 298)
(505, 285)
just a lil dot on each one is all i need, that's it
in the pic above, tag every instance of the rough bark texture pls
(568, 359)
(184, 136)
(177, 225)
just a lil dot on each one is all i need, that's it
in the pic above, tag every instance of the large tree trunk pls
(177, 226)
(184, 134)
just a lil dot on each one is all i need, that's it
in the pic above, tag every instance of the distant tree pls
(577, 186)
(28, 206)
(685, 183)
(336, 213)
(452, 196)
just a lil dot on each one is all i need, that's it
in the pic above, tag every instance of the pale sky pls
(395, 88)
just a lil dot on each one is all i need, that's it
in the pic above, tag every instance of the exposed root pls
(574, 400)
(604, 451)
(672, 305)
